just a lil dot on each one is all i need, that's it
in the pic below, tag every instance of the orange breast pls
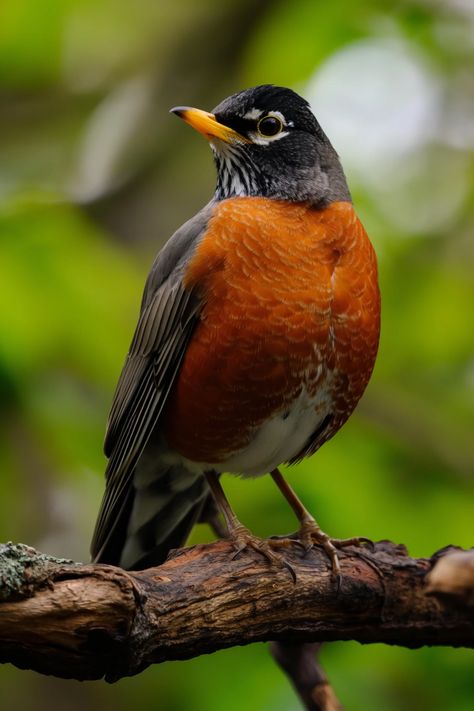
(290, 295)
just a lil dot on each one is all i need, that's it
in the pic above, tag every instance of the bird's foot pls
(242, 539)
(310, 535)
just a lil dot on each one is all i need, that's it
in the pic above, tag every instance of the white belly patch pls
(280, 439)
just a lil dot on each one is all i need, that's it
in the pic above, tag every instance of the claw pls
(286, 541)
(311, 535)
(290, 569)
(355, 541)
(242, 539)
(370, 544)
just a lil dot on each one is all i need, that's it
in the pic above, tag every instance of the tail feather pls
(108, 550)
(163, 504)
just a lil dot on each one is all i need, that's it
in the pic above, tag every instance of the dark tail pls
(155, 515)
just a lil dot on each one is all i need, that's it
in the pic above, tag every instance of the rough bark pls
(91, 621)
(300, 663)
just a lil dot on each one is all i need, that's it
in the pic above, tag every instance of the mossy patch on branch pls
(21, 566)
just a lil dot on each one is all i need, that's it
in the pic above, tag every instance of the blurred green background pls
(94, 177)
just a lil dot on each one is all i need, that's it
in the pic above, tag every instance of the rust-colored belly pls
(291, 297)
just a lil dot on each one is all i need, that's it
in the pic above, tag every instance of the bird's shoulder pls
(172, 258)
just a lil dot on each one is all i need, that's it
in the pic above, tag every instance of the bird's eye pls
(269, 126)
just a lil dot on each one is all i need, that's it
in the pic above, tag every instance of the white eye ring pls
(262, 139)
(274, 126)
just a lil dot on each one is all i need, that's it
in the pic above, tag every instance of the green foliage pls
(84, 90)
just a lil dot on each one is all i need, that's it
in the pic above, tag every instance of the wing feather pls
(168, 316)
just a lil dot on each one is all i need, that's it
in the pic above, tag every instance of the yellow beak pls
(207, 124)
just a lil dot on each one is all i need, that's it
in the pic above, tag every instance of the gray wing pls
(167, 318)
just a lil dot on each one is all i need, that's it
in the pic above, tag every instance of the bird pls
(257, 335)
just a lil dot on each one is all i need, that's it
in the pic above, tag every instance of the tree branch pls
(91, 621)
(300, 663)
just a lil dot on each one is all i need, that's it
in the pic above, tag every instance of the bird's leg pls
(240, 536)
(210, 514)
(310, 533)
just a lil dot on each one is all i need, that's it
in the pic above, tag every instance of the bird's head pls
(267, 142)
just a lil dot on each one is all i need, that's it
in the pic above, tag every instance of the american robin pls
(257, 336)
